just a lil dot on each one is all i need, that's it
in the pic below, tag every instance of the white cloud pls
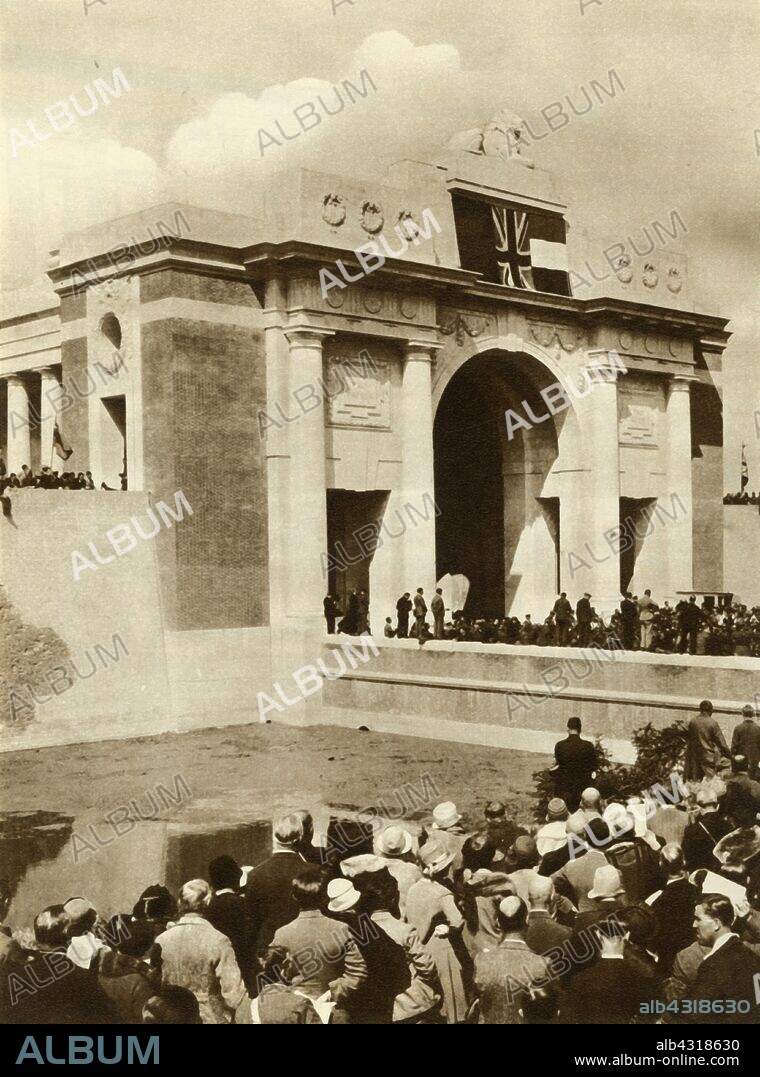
(65, 183)
(223, 150)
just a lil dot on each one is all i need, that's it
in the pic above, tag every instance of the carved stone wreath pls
(372, 218)
(650, 276)
(623, 269)
(405, 216)
(334, 210)
(675, 284)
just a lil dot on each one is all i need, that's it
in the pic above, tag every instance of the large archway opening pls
(499, 522)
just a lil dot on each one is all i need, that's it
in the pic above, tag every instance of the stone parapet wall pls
(523, 696)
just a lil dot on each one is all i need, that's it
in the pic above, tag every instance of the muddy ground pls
(260, 769)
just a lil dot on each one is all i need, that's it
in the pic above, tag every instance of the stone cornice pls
(204, 259)
(458, 285)
(299, 256)
(450, 285)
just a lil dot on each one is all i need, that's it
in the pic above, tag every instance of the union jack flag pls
(513, 246)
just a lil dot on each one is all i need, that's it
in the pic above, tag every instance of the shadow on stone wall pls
(27, 654)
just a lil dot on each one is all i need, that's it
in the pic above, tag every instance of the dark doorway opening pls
(635, 525)
(354, 518)
(114, 442)
(469, 490)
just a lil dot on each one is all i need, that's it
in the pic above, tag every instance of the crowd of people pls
(638, 624)
(743, 498)
(583, 919)
(49, 479)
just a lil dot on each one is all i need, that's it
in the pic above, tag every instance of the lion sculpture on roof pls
(500, 137)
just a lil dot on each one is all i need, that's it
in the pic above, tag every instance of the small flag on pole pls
(60, 447)
(745, 469)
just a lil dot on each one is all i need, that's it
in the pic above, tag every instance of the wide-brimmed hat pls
(445, 815)
(607, 883)
(357, 865)
(556, 810)
(434, 857)
(394, 841)
(342, 895)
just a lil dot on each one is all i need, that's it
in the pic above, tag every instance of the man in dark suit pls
(584, 614)
(543, 932)
(226, 910)
(629, 613)
(728, 970)
(746, 741)
(268, 892)
(674, 908)
(742, 800)
(576, 764)
(689, 620)
(420, 609)
(403, 609)
(563, 616)
(701, 836)
(363, 613)
(610, 990)
(331, 612)
(705, 745)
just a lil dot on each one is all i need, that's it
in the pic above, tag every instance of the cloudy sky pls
(207, 74)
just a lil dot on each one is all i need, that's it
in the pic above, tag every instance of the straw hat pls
(342, 895)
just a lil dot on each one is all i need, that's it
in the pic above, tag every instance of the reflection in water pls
(37, 859)
(28, 838)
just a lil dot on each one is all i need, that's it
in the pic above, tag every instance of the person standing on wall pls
(438, 609)
(563, 615)
(403, 609)
(420, 611)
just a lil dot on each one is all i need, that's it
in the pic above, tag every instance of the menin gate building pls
(235, 333)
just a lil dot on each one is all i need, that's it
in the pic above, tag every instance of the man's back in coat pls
(269, 902)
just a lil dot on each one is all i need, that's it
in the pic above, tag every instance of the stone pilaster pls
(19, 439)
(418, 483)
(48, 382)
(602, 506)
(306, 534)
(679, 485)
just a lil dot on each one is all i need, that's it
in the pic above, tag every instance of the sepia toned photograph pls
(398, 659)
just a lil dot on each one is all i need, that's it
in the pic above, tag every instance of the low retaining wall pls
(522, 696)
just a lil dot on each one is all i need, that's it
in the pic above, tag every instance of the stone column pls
(19, 440)
(306, 534)
(418, 484)
(677, 500)
(602, 548)
(48, 381)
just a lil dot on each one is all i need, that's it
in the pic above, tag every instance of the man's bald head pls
(540, 892)
(591, 800)
(576, 824)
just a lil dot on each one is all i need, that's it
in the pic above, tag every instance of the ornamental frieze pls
(568, 337)
(462, 325)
